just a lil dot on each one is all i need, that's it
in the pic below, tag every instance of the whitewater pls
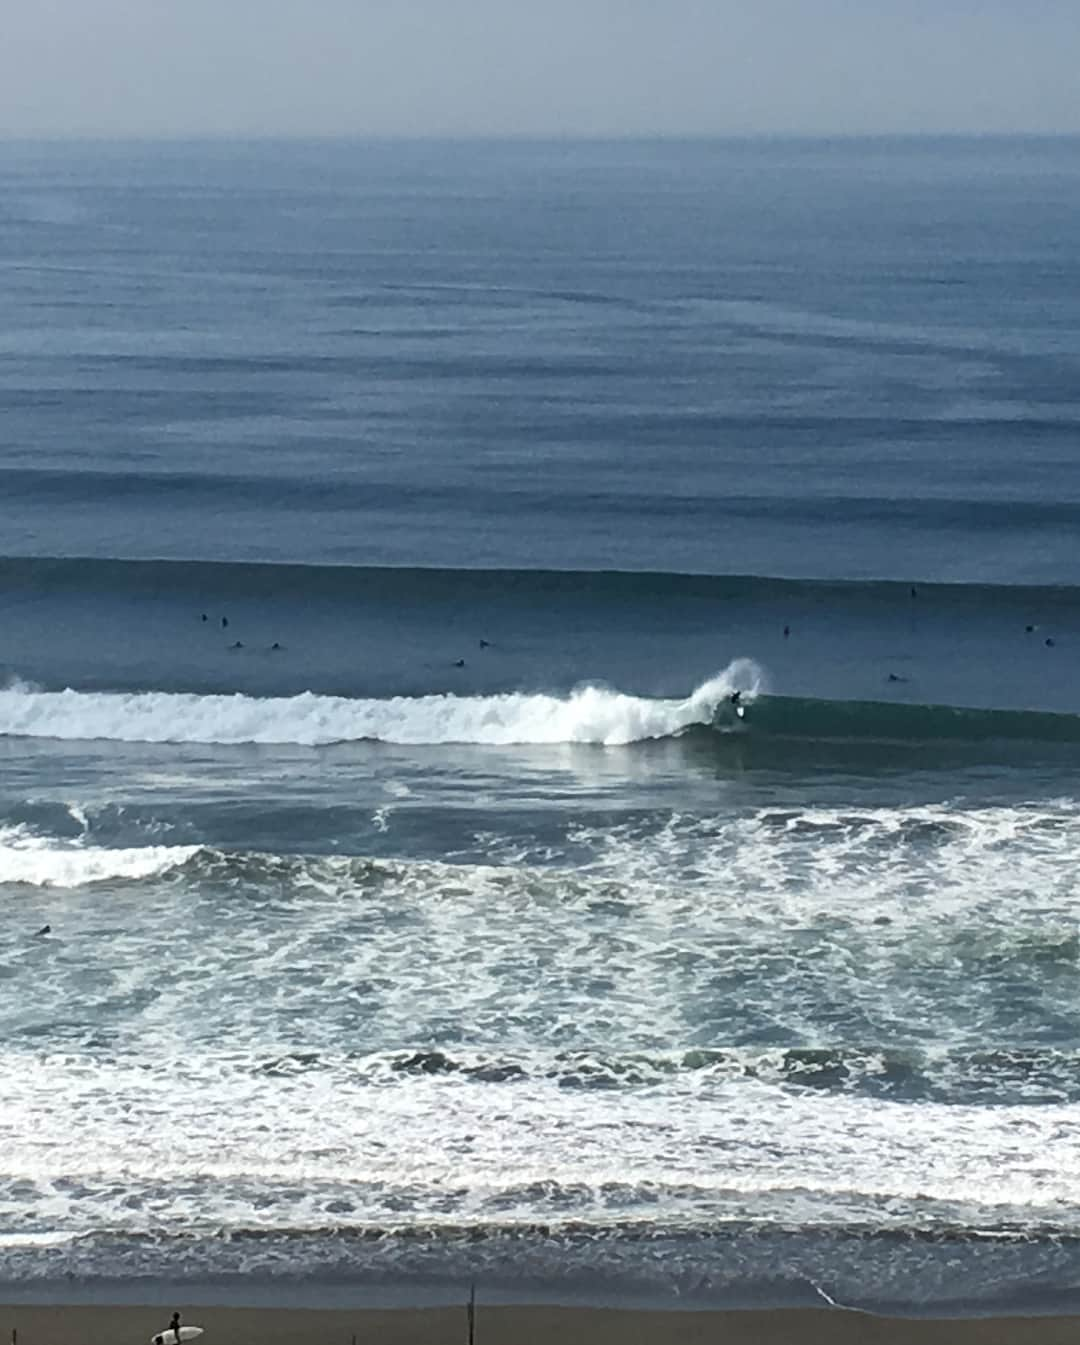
(667, 1023)
(588, 715)
(26, 858)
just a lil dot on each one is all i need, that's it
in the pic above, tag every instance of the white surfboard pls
(170, 1337)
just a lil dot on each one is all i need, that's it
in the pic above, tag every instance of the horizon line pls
(517, 137)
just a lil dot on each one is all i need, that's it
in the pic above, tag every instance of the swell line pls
(53, 573)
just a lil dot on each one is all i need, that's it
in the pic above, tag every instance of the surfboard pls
(170, 1337)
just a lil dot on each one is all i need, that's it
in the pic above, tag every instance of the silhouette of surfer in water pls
(735, 700)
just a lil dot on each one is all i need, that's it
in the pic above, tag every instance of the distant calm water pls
(384, 529)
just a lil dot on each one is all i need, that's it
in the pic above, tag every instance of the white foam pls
(39, 861)
(898, 928)
(51, 1239)
(462, 1152)
(590, 714)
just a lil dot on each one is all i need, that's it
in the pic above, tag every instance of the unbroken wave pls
(882, 721)
(237, 580)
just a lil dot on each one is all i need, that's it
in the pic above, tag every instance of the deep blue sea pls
(391, 893)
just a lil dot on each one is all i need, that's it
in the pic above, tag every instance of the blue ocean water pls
(384, 532)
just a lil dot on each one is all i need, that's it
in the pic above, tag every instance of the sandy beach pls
(103, 1325)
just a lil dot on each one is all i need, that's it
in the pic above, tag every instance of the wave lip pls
(591, 714)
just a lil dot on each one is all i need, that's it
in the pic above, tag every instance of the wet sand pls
(102, 1325)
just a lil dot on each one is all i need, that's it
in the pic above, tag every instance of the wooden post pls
(472, 1313)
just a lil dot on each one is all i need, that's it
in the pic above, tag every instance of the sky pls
(549, 67)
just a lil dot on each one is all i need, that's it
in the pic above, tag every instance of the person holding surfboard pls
(174, 1333)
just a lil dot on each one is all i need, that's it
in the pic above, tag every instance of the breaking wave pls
(38, 861)
(591, 714)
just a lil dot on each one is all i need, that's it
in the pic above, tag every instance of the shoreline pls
(101, 1324)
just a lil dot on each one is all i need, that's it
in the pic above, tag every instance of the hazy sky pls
(591, 67)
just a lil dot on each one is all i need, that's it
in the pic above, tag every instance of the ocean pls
(392, 896)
